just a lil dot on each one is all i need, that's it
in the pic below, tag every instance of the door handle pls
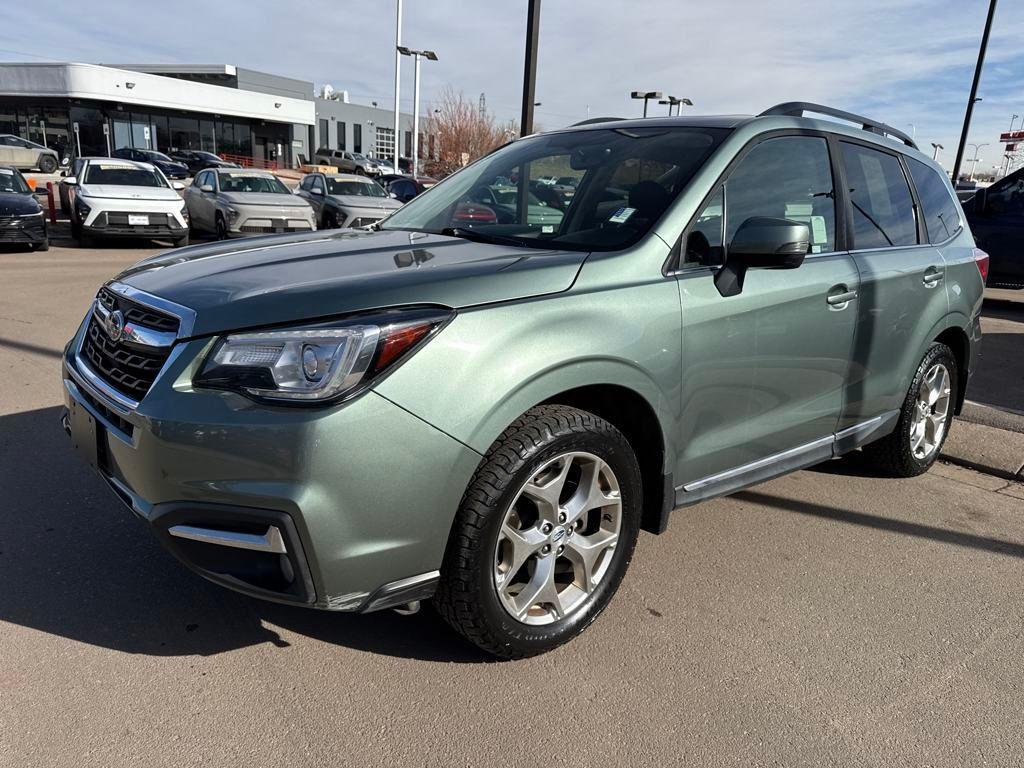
(932, 277)
(840, 296)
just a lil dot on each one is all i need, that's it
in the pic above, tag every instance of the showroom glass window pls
(341, 136)
(357, 137)
(883, 209)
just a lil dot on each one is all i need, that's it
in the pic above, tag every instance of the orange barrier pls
(250, 162)
(31, 184)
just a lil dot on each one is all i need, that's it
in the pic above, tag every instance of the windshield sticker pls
(547, 229)
(116, 167)
(622, 215)
(249, 175)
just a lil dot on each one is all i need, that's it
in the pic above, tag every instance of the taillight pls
(981, 260)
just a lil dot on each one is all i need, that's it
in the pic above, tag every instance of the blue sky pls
(900, 61)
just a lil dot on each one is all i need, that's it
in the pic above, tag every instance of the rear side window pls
(940, 212)
(883, 209)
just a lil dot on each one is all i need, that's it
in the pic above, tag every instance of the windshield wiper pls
(482, 237)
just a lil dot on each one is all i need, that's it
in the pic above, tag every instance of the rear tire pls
(544, 533)
(925, 417)
(47, 164)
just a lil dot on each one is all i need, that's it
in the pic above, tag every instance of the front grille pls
(128, 368)
(138, 313)
(118, 220)
(274, 225)
(16, 230)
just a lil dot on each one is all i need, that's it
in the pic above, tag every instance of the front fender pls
(493, 363)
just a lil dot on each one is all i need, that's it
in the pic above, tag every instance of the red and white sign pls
(1011, 147)
(1006, 138)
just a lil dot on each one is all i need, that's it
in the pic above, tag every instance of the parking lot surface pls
(826, 618)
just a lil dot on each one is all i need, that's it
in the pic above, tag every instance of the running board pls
(802, 456)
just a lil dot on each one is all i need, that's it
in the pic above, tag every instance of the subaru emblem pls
(115, 325)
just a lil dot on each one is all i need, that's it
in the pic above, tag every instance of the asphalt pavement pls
(830, 617)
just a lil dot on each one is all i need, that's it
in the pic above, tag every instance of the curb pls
(985, 469)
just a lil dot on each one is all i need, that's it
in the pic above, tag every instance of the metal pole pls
(645, 106)
(416, 117)
(974, 90)
(398, 79)
(530, 68)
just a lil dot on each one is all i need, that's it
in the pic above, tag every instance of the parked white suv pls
(122, 198)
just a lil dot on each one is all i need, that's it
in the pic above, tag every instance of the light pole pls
(973, 98)
(913, 128)
(398, 73)
(936, 147)
(1011, 122)
(672, 101)
(975, 160)
(645, 95)
(416, 56)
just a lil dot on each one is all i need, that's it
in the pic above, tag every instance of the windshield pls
(122, 175)
(626, 179)
(249, 182)
(357, 156)
(152, 154)
(364, 188)
(11, 181)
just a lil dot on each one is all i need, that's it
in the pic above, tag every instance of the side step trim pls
(271, 541)
(721, 477)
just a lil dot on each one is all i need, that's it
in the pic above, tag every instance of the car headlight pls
(81, 207)
(321, 363)
(184, 212)
(232, 213)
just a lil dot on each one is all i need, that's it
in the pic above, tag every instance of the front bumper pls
(247, 223)
(117, 224)
(358, 499)
(20, 229)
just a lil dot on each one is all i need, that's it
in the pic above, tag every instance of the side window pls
(784, 178)
(883, 210)
(941, 214)
(1007, 197)
(317, 184)
(306, 183)
(203, 178)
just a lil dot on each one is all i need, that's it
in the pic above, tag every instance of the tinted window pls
(883, 210)
(12, 181)
(784, 178)
(940, 212)
(122, 175)
(1007, 197)
(361, 188)
(244, 182)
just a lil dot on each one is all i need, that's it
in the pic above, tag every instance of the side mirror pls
(177, 186)
(980, 201)
(69, 180)
(206, 187)
(392, 195)
(762, 242)
(317, 191)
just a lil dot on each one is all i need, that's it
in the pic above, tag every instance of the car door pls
(997, 222)
(902, 296)
(764, 371)
(7, 150)
(200, 203)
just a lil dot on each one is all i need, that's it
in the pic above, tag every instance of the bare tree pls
(464, 132)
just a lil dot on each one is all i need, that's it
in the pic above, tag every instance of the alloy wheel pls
(557, 538)
(931, 412)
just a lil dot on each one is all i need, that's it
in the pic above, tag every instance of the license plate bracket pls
(138, 220)
(85, 433)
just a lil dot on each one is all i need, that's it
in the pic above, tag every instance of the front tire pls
(47, 164)
(42, 245)
(544, 534)
(925, 417)
(222, 228)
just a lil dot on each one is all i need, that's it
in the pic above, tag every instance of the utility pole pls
(974, 90)
(397, 83)
(936, 147)
(530, 69)
(483, 104)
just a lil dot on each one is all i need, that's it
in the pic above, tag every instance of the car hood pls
(118, 192)
(293, 278)
(17, 205)
(277, 199)
(367, 202)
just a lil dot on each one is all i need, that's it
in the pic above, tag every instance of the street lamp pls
(976, 159)
(645, 95)
(1012, 120)
(416, 55)
(672, 101)
(936, 147)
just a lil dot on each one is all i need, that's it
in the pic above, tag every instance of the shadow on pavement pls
(999, 380)
(907, 528)
(75, 562)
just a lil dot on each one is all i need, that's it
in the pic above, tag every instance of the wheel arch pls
(956, 338)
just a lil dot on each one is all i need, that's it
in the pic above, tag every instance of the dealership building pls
(270, 120)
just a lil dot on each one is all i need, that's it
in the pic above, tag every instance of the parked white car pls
(231, 202)
(123, 198)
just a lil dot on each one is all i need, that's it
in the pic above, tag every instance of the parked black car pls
(405, 188)
(170, 168)
(996, 217)
(197, 160)
(22, 219)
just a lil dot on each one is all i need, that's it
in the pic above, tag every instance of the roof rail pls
(798, 108)
(592, 120)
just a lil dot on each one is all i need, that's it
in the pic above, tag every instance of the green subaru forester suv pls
(467, 405)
